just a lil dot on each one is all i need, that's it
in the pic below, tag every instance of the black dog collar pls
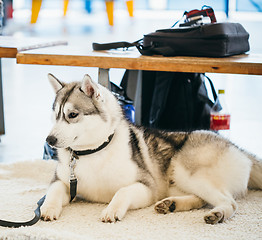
(91, 151)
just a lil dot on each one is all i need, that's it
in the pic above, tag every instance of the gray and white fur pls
(176, 171)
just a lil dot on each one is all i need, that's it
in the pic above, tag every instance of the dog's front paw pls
(50, 212)
(112, 214)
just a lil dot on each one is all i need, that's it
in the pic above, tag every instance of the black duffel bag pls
(208, 40)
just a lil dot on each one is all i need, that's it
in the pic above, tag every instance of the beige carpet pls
(23, 183)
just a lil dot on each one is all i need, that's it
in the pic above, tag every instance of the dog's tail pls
(255, 179)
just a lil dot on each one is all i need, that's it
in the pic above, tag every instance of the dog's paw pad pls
(214, 217)
(165, 206)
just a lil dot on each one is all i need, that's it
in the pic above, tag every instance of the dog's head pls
(81, 113)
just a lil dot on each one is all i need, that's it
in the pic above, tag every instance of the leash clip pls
(72, 165)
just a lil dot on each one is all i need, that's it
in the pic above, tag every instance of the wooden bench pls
(9, 47)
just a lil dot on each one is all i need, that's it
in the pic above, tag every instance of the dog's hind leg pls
(179, 203)
(224, 207)
(222, 201)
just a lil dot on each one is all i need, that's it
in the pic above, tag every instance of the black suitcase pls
(207, 40)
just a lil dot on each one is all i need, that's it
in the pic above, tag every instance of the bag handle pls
(115, 45)
(148, 51)
(212, 87)
(204, 97)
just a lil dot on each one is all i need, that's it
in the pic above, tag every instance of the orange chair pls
(36, 6)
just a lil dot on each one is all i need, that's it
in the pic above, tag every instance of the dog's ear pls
(56, 84)
(89, 87)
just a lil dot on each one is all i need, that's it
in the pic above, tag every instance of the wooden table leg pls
(103, 77)
(2, 122)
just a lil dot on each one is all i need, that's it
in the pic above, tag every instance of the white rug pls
(22, 184)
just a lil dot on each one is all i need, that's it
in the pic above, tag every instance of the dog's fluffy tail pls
(255, 179)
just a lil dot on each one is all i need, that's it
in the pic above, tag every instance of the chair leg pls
(36, 5)
(130, 7)
(65, 7)
(2, 119)
(110, 12)
(88, 6)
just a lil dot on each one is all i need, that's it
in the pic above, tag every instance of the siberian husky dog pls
(133, 167)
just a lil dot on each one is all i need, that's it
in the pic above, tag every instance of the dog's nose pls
(51, 140)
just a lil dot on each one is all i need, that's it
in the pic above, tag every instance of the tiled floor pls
(28, 96)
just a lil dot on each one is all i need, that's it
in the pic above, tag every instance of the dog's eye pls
(72, 115)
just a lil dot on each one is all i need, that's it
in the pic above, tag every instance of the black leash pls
(73, 186)
(36, 218)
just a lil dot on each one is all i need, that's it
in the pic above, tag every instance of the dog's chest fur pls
(100, 175)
